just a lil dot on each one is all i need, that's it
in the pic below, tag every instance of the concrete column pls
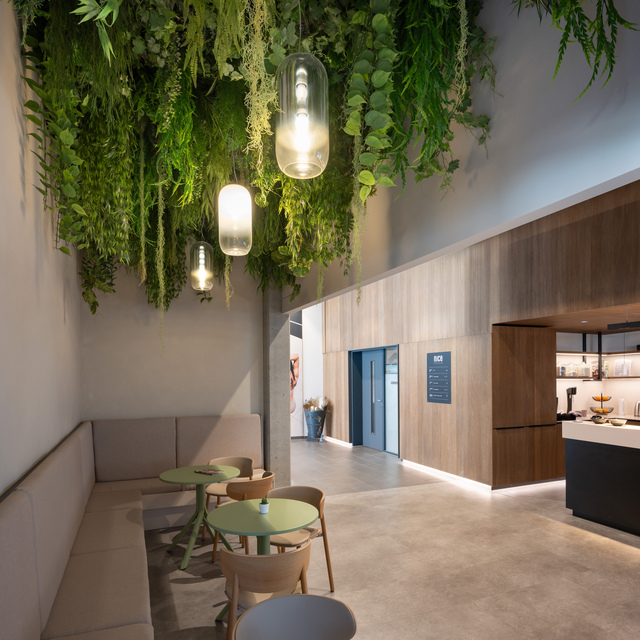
(277, 430)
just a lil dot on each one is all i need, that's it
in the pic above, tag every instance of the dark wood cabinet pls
(527, 454)
(523, 376)
(527, 442)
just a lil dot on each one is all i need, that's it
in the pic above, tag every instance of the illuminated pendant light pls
(302, 128)
(234, 220)
(201, 266)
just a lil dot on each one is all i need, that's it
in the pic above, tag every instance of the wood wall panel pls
(455, 438)
(336, 389)
(583, 257)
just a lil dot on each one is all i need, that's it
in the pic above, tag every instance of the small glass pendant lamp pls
(201, 265)
(234, 220)
(302, 127)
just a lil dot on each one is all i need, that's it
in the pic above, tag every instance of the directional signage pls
(439, 377)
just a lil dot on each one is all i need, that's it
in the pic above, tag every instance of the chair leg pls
(204, 529)
(246, 545)
(215, 547)
(232, 617)
(280, 549)
(326, 553)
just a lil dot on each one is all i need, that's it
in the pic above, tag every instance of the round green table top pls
(188, 475)
(244, 518)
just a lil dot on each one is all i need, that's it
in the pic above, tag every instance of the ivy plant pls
(142, 111)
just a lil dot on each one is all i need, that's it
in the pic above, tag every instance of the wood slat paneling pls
(584, 257)
(455, 438)
(336, 389)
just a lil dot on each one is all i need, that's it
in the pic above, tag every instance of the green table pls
(188, 475)
(244, 519)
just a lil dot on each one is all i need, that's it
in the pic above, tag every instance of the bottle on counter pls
(605, 369)
(621, 407)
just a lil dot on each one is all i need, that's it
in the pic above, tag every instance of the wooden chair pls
(297, 616)
(253, 579)
(246, 490)
(312, 496)
(219, 489)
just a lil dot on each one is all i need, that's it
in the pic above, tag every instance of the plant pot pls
(264, 508)
(315, 423)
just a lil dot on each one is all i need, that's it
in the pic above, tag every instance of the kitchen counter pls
(603, 473)
(587, 431)
(626, 416)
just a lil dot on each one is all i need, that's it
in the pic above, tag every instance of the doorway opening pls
(373, 402)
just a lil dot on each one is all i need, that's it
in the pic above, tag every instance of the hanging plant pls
(596, 36)
(139, 108)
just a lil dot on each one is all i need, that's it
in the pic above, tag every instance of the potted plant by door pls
(315, 411)
(264, 505)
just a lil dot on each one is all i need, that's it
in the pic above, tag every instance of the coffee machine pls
(571, 391)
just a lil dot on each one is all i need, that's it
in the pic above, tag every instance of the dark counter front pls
(603, 484)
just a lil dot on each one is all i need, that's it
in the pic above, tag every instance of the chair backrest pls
(251, 489)
(266, 574)
(310, 495)
(240, 462)
(297, 616)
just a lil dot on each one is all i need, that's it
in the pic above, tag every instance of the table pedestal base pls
(197, 519)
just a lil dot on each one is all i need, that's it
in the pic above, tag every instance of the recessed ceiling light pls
(583, 321)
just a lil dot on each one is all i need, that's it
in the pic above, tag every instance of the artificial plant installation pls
(145, 110)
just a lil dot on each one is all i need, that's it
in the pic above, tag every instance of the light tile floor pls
(417, 558)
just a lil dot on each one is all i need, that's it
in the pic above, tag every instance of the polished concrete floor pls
(417, 557)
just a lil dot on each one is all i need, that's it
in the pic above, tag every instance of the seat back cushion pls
(55, 491)
(133, 449)
(199, 439)
(85, 434)
(19, 584)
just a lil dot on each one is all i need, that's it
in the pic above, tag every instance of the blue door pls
(373, 413)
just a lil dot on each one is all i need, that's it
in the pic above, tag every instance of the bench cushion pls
(107, 500)
(57, 498)
(133, 449)
(19, 583)
(144, 485)
(101, 590)
(105, 530)
(199, 439)
(130, 632)
(85, 436)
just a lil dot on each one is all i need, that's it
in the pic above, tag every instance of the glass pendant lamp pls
(234, 220)
(302, 127)
(201, 265)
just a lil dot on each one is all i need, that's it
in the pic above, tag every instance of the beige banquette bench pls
(73, 562)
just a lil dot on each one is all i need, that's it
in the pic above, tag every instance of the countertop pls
(626, 436)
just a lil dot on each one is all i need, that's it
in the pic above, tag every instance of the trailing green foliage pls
(596, 36)
(142, 111)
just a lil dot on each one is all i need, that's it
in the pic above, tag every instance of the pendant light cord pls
(233, 160)
(300, 26)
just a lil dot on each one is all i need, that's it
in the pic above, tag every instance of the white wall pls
(312, 377)
(211, 363)
(39, 292)
(545, 152)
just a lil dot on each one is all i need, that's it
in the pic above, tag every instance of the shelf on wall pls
(595, 353)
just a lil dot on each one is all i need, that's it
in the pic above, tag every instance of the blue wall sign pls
(439, 377)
